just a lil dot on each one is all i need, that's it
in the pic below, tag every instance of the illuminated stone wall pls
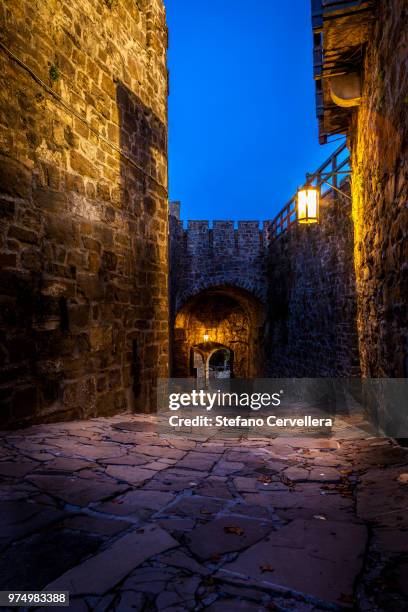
(229, 317)
(218, 282)
(83, 200)
(299, 306)
(311, 324)
(204, 256)
(379, 145)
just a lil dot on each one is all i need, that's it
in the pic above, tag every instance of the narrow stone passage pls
(127, 520)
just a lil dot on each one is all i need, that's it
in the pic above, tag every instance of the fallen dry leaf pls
(234, 529)
(266, 568)
(264, 478)
(209, 581)
(286, 481)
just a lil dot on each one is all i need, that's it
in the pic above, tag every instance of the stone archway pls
(223, 317)
(211, 360)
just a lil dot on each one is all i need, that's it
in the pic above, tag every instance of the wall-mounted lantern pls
(206, 336)
(308, 204)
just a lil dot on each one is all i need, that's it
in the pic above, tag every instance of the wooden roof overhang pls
(341, 29)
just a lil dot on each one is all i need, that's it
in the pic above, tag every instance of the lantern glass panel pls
(308, 204)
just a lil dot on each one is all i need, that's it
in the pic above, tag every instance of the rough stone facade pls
(224, 254)
(297, 316)
(217, 287)
(83, 197)
(232, 319)
(311, 325)
(379, 154)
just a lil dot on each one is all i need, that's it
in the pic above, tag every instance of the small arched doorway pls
(223, 317)
(220, 364)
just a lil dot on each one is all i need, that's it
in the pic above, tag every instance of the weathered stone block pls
(100, 338)
(109, 260)
(82, 165)
(71, 207)
(53, 201)
(15, 179)
(62, 230)
(22, 234)
(31, 259)
(90, 285)
(24, 402)
(8, 260)
(78, 315)
(7, 209)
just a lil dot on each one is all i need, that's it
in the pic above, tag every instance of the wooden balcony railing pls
(328, 174)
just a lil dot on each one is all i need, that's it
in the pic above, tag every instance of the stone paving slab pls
(99, 574)
(129, 473)
(96, 525)
(148, 522)
(14, 469)
(318, 557)
(31, 562)
(196, 506)
(226, 534)
(215, 486)
(19, 518)
(135, 501)
(75, 490)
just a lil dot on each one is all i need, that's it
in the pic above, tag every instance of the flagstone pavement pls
(127, 519)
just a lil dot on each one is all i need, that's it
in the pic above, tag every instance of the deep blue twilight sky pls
(242, 125)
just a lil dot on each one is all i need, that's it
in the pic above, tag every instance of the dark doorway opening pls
(220, 364)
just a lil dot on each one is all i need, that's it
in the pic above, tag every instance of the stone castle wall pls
(224, 254)
(379, 155)
(311, 323)
(83, 200)
(303, 281)
(218, 282)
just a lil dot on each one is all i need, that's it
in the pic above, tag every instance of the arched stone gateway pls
(285, 305)
(219, 324)
(205, 255)
(211, 360)
(218, 294)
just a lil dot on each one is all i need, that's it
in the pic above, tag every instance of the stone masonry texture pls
(311, 325)
(83, 201)
(204, 256)
(379, 148)
(287, 304)
(127, 519)
(231, 319)
(218, 285)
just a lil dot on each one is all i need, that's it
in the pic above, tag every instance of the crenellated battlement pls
(207, 254)
(221, 236)
(213, 253)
